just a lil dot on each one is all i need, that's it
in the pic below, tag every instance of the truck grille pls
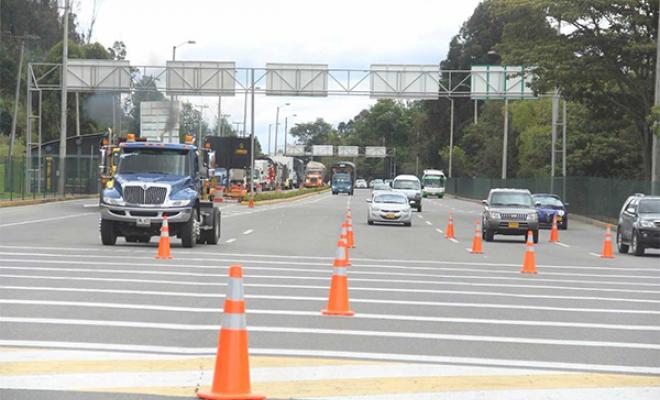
(150, 195)
(513, 216)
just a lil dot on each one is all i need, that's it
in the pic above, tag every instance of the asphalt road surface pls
(82, 321)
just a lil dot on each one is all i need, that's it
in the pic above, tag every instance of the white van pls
(411, 187)
(433, 183)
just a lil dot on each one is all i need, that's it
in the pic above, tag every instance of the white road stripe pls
(594, 254)
(215, 310)
(324, 274)
(323, 299)
(454, 240)
(340, 354)
(230, 240)
(361, 289)
(562, 244)
(35, 221)
(90, 205)
(334, 332)
(248, 231)
(428, 223)
(438, 230)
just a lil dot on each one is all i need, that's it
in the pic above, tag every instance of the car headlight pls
(177, 203)
(116, 201)
(561, 213)
(646, 224)
(495, 215)
(532, 217)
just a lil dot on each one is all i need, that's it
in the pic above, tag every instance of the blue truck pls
(154, 180)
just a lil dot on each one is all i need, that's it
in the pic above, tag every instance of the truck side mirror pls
(484, 202)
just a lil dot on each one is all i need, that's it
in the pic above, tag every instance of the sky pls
(340, 33)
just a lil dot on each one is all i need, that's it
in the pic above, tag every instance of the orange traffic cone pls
(341, 257)
(476, 241)
(554, 232)
(338, 297)
(251, 202)
(607, 245)
(164, 243)
(449, 232)
(231, 376)
(529, 263)
(351, 238)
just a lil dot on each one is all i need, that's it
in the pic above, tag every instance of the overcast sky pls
(340, 33)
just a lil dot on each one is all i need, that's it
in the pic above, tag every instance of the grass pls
(287, 194)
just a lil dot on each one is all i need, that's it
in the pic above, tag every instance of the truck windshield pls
(434, 181)
(343, 178)
(154, 161)
(405, 184)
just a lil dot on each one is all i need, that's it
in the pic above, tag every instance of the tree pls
(317, 132)
(604, 60)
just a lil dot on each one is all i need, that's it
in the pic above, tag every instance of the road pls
(83, 321)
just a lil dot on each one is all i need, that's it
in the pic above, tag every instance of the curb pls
(30, 202)
(293, 198)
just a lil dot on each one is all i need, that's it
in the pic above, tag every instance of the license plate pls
(390, 216)
(558, 219)
(514, 225)
(143, 222)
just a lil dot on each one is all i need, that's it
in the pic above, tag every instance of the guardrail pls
(598, 198)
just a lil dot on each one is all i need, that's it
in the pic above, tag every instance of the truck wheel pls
(419, 208)
(212, 236)
(108, 233)
(189, 231)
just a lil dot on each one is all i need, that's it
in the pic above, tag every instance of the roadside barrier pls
(341, 256)
(529, 263)
(476, 241)
(449, 232)
(554, 232)
(231, 375)
(607, 245)
(164, 242)
(338, 303)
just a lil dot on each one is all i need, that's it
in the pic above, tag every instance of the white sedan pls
(360, 184)
(389, 207)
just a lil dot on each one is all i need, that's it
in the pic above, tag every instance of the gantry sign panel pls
(94, 75)
(348, 151)
(404, 81)
(296, 79)
(160, 120)
(201, 78)
(295, 150)
(375, 151)
(500, 82)
(323, 150)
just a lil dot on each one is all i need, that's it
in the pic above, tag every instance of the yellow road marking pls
(357, 387)
(183, 364)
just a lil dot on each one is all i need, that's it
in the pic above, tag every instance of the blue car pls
(547, 206)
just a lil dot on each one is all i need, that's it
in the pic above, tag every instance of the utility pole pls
(655, 146)
(555, 118)
(219, 132)
(451, 135)
(270, 127)
(505, 143)
(16, 99)
(65, 56)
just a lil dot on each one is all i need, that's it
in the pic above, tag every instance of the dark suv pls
(509, 212)
(639, 224)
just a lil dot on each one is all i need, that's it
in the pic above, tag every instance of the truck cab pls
(153, 181)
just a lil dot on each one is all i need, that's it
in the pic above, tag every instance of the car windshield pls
(434, 181)
(390, 198)
(406, 184)
(548, 201)
(511, 199)
(649, 206)
(154, 161)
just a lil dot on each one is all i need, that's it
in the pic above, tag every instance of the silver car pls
(389, 207)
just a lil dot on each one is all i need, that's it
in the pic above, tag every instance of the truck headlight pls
(532, 217)
(495, 215)
(561, 213)
(177, 203)
(646, 224)
(116, 201)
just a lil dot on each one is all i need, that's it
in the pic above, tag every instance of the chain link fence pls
(23, 179)
(599, 198)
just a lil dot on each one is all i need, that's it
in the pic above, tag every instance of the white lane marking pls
(594, 254)
(316, 299)
(133, 250)
(614, 393)
(248, 231)
(343, 332)
(359, 288)
(428, 223)
(420, 216)
(74, 355)
(90, 205)
(454, 240)
(562, 244)
(580, 367)
(394, 317)
(356, 269)
(35, 221)
(230, 240)
(319, 271)
(438, 230)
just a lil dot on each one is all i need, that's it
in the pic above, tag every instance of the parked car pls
(509, 212)
(639, 224)
(389, 207)
(360, 184)
(551, 205)
(411, 187)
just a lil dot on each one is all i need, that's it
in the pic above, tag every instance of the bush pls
(287, 194)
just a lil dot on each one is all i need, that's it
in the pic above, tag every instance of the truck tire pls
(189, 230)
(212, 236)
(108, 233)
(419, 208)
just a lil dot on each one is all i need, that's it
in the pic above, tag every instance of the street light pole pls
(451, 135)
(655, 144)
(286, 129)
(270, 126)
(63, 116)
(277, 124)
